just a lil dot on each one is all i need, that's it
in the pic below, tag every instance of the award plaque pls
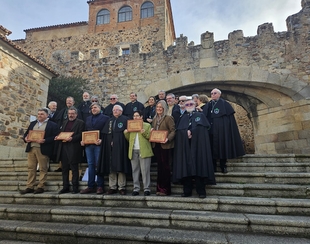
(158, 136)
(35, 135)
(64, 135)
(90, 137)
(134, 125)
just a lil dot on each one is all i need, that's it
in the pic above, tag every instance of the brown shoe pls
(88, 190)
(27, 190)
(111, 191)
(38, 191)
(122, 192)
(99, 190)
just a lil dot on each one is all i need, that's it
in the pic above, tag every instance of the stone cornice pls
(5, 31)
(52, 27)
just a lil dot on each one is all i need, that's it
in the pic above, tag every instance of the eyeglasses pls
(112, 98)
(94, 101)
(183, 101)
(189, 104)
(213, 93)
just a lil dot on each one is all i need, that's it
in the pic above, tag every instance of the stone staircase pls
(263, 199)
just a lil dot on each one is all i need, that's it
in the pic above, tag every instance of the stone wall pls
(267, 74)
(23, 88)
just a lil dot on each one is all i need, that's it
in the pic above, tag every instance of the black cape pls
(108, 110)
(114, 158)
(226, 142)
(192, 157)
(130, 108)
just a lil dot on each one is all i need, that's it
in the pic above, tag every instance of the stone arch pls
(241, 84)
(250, 87)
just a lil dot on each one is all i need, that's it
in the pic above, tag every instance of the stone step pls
(231, 177)
(254, 205)
(247, 163)
(303, 167)
(55, 232)
(269, 167)
(221, 189)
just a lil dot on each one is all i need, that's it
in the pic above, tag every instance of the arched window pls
(125, 14)
(103, 17)
(147, 10)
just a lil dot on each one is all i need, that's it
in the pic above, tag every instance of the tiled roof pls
(57, 26)
(18, 48)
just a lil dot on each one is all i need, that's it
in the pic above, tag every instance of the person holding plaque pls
(114, 159)
(95, 122)
(70, 150)
(163, 149)
(140, 153)
(192, 152)
(40, 144)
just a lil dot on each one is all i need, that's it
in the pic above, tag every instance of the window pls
(147, 10)
(125, 14)
(103, 17)
(125, 51)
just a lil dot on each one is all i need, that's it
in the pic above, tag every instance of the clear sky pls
(191, 18)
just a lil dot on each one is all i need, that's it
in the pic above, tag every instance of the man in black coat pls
(83, 107)
(70, 150)
(133, 106)
(114, 159)
(192, 152)
(39, 150)
(59, 119)
(113, 101)
(225, 138)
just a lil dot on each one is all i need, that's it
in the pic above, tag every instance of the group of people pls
(198, 132)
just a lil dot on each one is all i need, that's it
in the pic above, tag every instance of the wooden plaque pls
(134, 125)
(64, 135)
(35, 135)
(158, 136)
(90, 137)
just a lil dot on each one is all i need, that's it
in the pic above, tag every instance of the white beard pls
(190, 109)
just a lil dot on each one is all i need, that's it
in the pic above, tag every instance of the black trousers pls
(68, 164)
(222, 163)
(188, 185)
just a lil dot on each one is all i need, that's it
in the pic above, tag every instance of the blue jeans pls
(92, 155)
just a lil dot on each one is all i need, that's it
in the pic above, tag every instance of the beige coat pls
(167, 123)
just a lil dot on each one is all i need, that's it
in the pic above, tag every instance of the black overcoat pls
(114, 158)
(73, 148)
(192, 157)
(226, 142)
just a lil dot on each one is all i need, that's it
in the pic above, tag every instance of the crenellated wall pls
(267, 75)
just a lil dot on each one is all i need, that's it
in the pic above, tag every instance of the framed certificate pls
(64, 135)
(158, 136)
(35, 135)
(90, 137)
(134, 125)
